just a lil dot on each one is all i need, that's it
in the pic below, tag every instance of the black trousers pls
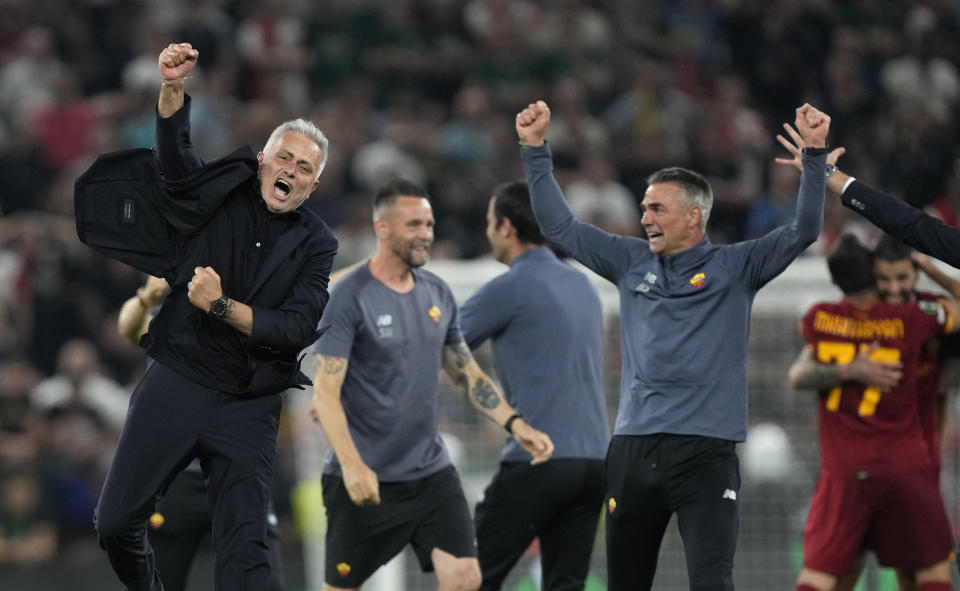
(170, 421)
(185, 528)
(559, 501)
(651, 477)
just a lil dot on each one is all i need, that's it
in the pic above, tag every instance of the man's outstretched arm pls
(907, 224)
(484, 395)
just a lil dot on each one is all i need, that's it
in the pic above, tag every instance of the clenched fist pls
(813, 125)
(532, 123)
(177, 60)
(204, 288)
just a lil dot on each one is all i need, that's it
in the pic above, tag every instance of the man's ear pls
(259, 158)
(381, 228)
(507, 227)
(695, 214)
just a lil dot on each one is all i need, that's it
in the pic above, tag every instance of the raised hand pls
(797, 144)
(177, 60)
(532, 123)
(813, 126)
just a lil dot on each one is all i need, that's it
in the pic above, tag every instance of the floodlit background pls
(428, 90)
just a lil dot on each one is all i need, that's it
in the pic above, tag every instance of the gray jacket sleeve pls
(603, 253)
(763, 259)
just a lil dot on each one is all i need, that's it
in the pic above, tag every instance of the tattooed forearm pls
(485, 395)
(333, 365)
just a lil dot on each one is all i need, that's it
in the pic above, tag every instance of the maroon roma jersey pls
(928, 388)
(865, 431)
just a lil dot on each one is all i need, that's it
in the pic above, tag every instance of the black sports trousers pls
(558, 501)
(184, 528)
(170, 421)
(651, 477)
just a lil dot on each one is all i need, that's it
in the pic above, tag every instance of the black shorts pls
(427, 513)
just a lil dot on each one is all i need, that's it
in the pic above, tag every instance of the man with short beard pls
(388, 479)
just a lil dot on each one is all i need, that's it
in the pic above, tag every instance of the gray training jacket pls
(684, 318)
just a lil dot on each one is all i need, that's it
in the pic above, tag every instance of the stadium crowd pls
(426, 90)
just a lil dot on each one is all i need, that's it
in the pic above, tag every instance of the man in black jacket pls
(248, 273)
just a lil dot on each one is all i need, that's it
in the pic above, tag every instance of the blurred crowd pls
(426, 90)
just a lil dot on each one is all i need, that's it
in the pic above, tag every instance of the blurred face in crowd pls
(671, 224)
(289, 169)
(896, 280)
(405, 228)
(497, 236)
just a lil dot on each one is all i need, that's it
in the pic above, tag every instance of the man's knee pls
(112, 525)
(937, 573)
(461, 574)
(815, 580)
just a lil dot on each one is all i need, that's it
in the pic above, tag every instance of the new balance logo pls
(729, 494)
(650, 278)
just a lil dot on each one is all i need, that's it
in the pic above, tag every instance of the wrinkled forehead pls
(297, 144)
(667, 195)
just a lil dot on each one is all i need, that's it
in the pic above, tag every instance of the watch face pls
(218, 308)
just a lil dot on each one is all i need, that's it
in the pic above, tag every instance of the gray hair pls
(694, 188)
(304, 128)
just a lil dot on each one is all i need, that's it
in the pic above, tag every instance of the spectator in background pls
(28, 534)
(79, 383)
(597, 198)
(21, 426)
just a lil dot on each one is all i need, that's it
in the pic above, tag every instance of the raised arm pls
(603, 253)
(360, 481)
(763, 259)
(807, 373)
(177, 158)
(907, 224)
(482, 393)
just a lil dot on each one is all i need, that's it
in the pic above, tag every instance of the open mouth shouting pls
(282, 188)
